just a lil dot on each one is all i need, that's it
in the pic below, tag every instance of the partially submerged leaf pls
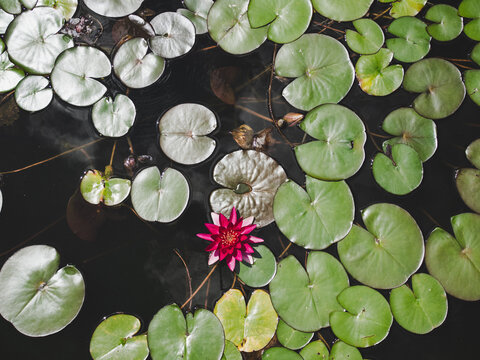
(33, 93)
(114, 117)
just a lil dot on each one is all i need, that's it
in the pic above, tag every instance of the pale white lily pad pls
(5, 20)
(11, 6)
(114, 117)
(10, 75)
(113, 8)
(197, 12)
(66, 7)
(33, 93)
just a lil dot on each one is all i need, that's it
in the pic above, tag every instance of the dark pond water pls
(131, 267)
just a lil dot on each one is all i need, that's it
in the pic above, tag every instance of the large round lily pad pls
(473, 153)
(367, 319)
(197, 11)
(114, 117)
(316, 350)
(342, 351)
(280, 353)
(183, 133)
(228, 25)
(342, 10)
(455, 261)
(10, 75)
(322, 68)
(472, 83)
(440, 84)
(96, 188)
(340, 135)
(447, 24)
(291, 338)
(412, 41)
(251, 180)
(160, 197)
(33, 93)
(114, 8)
(200, 336)
(468, 186)
(422, 308)
(368, 38)
(317, 217)
(471, 9)
(5, 20)
(388, 253)
(116, 339)
(314, 290)
(66, 7)
(38, 298)
(262, 271)
(250, 327)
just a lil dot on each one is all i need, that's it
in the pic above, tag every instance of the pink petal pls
(231, 263)
(212, 246)
(238, 255)
(213, 258)
(215, 218)
(207, 237)
(214, 229)
(223, 253)
(248, 249)
(223, 221)
(233, 216)
(248, 221)
(248, 258)
(255, 239)
(248, 229)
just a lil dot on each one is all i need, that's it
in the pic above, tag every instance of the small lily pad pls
(342, 351)
(291, 338)
(280, 353)
(11, 6)
(471, 9)
(475, 55)
(33, 93)
(375, 75)
(316, 350)
(10, 75)
(473, 153)
(340, 136)
(114, 117)
(38, 298)
(96, 188)
(175, 35)
(262, 271)
(66, 7)
(412, 41)
(472, 83)
(316, 62)
(368, 38)
(455, 261)
(441, 87)
(367, 319)
(406, 7)
(116, 339)
(342, 10)
(386, 255)
(5, 20)
(250, 327)
(197, 12)
(199, 336)
(315, 218)
(447, 24)
(314, 290)
(423, 309)
(228, 25)
(114, 8)
(468, 186)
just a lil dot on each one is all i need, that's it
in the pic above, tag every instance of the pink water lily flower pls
(230, 239)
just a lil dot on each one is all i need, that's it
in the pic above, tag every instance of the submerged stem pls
(188, 275)
(200, 286)
(113, 152)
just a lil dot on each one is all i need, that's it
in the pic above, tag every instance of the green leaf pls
(11, 6)
(279, 353)
(183, 133)
(386, 255)
(10, 75)
(262, 271)
(447, 25)
(316, 350)
(134, 67)
(471, 9)
(322, 68)
(368, 38)
(231, 352)
(316, 218)
(473, 153)
(5, 20)
(441, 87)
(198, 337)
(375, 75)
(342, 10)
(341, 137)
(114, 339)
(66, 7)
(28, 4)
(197, 11)
(423, 309)
(314, 290)
(475, 55)
(291, 338)
(114, 117)
(33, 94)
(468, 186)
(161, 197)
(455, 261)
(255, 171)
(412, 42)
(287, 20)
(114, 8)
(95, 188)
(38, 298)
(228, 25)
(407, 7)
(412, 129)
(342, 351)
(175, 35)
(250, 327)
(472, 83)
(367, 319)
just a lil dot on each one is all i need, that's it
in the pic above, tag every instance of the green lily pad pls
(412, 129)
(412, 41)
(10, 75)
(375, 75)
(447, 25)
(368, 38)
(74, 74)
(279, 353)
(228, 25)
(468, 186)
(475, 55)
(316, 218)
(161, 197)
(472, 83)
(29, 4)
(287, 20)
(291, 338)
(316, 350)
(231, 352)
(66, 7)
(250, 180)
(367, 319)
(250, 327)
(262, 271)
(96, 188)
(11, 6)
(473, 153)
(197, 12)
(183, 133)
(342, 351)
(114, 8)
(386, 255)
(341, 137)
(134, 67)
(114, 339)
(471, 9)
(441, 87)
(114, 117)
(406, 7)
(175, 35)
(314, 290)
(342, 10)
(198, 337)
(322, 68)
(5, 20)
(33, 93)
(33, 42)
(423, 309)
(455, 261)
(399, 170)
(38, 298)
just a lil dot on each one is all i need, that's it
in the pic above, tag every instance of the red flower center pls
(228, 237)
